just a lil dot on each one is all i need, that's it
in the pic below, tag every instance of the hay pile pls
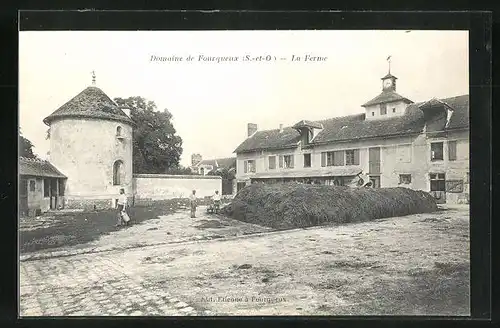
(292, 205)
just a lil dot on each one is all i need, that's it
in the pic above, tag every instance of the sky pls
(212, 102)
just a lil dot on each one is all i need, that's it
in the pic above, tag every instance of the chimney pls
(281, 128)
(252, 128)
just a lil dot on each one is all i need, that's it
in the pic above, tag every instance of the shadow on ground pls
(79, 228)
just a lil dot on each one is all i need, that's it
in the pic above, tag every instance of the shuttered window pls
(272, 162)
(338, 158)
(352, 157)
(323, 159)
(452, 150)
(281, 161)
(288, 159)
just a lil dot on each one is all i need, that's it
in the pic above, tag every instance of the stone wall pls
(163, 186)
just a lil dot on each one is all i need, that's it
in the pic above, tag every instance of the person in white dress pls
(121, 207)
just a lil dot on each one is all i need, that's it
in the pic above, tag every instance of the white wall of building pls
(85, 151)
(162, 186)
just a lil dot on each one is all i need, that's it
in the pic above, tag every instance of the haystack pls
(293, 205)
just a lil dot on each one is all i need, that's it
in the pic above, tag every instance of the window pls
(32, 185)
(46, 188)
(288, 161)
(383, 109)
(394, 110)
(436, 151)
(117, 172)
(373, 113)
(307, 160)
(332, 158)
(272, 162)
(404, 178)
(437, 181)
(329, 158)
(352, 157)
(249, 166)
(118, 131)
(338, 158)
(452, 150)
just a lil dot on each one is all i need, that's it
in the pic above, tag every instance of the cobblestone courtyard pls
(415, 265)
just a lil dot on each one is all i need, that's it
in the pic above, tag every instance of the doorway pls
(374, 160)
(375, 180)
(438, 187)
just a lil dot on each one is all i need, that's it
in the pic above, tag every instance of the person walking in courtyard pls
(121, 208)
(192, 200)
(216, 202)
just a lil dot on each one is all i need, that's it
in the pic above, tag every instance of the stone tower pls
(91, 143)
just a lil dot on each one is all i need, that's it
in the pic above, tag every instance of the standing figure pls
(192, 200)
(216, 201)
(120, 206)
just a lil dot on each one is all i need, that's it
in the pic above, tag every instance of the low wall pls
(163, 186)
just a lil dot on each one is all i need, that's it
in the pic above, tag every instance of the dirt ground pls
(158, 224)
(412, 265)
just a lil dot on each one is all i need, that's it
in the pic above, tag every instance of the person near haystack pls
(192, 200)
(121, 208)
(216, 201)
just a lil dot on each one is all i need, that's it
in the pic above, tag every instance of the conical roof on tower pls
(92, 102)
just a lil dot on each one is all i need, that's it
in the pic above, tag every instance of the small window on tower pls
(394, 110)
(373, 113)
(118, 131)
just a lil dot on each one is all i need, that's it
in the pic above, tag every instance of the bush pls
(292, 205)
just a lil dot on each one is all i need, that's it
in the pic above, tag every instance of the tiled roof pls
(90, 103)
(219, 162)
(270, 139)
(306, 123)
(389, 75)
(38, 168)
(385, 97)
(353, 127)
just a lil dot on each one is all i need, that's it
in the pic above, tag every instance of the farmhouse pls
(224, 166)
(394, 142)
(206, 166)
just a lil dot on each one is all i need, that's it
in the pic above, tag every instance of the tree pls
(156, 146)
(179, 171)
(224, 173)
(25, 147)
